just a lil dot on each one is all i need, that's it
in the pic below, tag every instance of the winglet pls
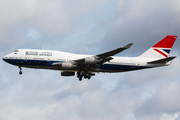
(128, 45)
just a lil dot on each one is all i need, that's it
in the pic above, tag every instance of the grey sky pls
(89, 27)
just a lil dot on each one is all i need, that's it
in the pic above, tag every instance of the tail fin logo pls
(164, 46)
(160, 49)
(166, 50)
(163, 52)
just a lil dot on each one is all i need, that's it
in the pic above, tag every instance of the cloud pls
(165, 101)
(145, 22)
(88, 27)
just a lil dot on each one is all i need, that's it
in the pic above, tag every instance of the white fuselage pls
(44, 59)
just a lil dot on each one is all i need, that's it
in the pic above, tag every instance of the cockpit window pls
(16, 51)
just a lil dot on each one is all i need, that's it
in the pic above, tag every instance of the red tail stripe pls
(167, 42)
(161, 53)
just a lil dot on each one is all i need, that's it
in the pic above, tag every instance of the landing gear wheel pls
(80, 79)
(89, 76)
(20, 72)
(85, 76)
(80, 75)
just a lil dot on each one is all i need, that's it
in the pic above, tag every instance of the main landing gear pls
(20, 72)
(82, 74)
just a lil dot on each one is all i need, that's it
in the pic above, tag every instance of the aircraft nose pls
(4, 59)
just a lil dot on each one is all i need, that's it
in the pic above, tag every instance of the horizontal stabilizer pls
(161, 61)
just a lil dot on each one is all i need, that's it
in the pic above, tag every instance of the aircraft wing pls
(104, 57)
(91, 63)
(114, 52)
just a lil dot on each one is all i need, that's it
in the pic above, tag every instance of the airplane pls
(87, 65)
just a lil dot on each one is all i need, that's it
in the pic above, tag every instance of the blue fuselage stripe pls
(118, 67)
(45, 63)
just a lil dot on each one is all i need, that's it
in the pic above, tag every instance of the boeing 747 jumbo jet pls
(87, 65)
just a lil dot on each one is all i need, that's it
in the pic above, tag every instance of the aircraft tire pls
(89, 76)
(80, 79)
(20, 72)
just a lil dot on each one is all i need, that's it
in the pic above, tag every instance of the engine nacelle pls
(90, 60)
(67, 73)
(67, 65)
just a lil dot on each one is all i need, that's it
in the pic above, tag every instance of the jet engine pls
(67, 73)
(90, 60)
(67, 66)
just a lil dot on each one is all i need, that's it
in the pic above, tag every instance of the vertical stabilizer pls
(161, 49)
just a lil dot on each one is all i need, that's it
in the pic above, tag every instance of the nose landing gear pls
(20, 72)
